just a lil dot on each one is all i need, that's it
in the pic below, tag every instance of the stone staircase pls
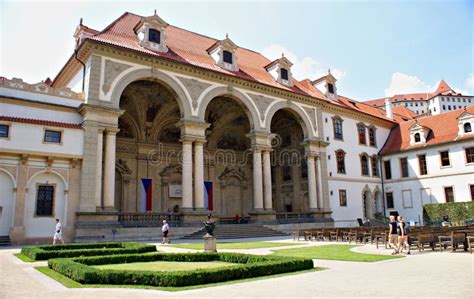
(4, 241)
(237, 231)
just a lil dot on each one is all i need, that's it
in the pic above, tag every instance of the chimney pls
(388, 108)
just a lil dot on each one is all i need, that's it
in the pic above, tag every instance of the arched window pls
(372, 138)
(337, 126)
(340, 159)
(330, 88)
(467, 128)
(417, 137)
(364, 165)
(361, 132)
(284, 74)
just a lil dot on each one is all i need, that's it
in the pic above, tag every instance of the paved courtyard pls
(425, 275)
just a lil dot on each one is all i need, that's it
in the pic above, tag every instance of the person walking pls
(58, 235)
(402, 235)
(392, 234)
(165, 230)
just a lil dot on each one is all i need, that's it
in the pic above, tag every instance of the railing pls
(294, 217)
(148, 217)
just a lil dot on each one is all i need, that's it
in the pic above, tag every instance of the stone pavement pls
(425, 275)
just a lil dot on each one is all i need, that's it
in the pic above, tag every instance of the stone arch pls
(296, 111)
(366, 202)
(49, 172)
(10, 175)
(137, 134)
(183, 97)
(224, 91)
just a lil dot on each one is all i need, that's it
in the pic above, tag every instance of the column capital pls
(111, 130)
(261, 139)
(192, 129)
(101, 130)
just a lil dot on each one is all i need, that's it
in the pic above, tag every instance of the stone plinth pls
(209, 243)
(263, 216)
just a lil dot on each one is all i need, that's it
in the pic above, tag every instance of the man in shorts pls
(165, 230)
(58, 235)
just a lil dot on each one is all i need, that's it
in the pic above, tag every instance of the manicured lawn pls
(69, 283)
(166, 266)
(236, 245)
(333, 252)
(23, 258)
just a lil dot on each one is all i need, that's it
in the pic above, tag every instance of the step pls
(5, 241)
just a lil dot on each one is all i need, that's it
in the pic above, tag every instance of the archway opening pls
(289, 169)
(147, 143)
(366, 206)
(6, 203)
(226, 159)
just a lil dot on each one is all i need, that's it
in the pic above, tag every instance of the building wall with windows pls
(362, 190)
(411, 192)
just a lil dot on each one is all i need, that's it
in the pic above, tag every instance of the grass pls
(165, 266)
(236, 245)
(24, 258)
(333, 252)
(69, 283)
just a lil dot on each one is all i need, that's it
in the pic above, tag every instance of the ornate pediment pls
(170, 170)
(232, 172)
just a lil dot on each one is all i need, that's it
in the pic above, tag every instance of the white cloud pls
(403, 83)
(470, 83)
(306, 67)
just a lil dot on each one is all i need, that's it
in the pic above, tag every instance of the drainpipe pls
(383, 189)
(80, 61)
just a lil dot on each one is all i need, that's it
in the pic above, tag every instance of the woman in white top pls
(58, 234)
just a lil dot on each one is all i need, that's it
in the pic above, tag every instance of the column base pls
(198, 215)
(103, 216)
(17, 234)
(321, 215)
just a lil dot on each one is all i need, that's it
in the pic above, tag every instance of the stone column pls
(313, 205)
(267, 180)
(98, 191)
(109, 168)
(187, 175)
(320, 182)
(198, 175)
(257, 180)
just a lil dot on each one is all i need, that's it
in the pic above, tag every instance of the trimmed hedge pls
(456, 211)
(80, 270)
(87, 249)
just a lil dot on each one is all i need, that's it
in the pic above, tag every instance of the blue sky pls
(375, 48)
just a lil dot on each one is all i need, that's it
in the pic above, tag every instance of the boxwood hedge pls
(456, 211)
(87, 249)
(81, 270)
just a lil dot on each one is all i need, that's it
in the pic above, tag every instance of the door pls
(6, 203)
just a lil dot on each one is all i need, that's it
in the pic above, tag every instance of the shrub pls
(456, 211)
(79, 269)
(86, 249)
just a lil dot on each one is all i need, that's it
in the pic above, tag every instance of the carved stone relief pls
(195, 89)
(262, 104)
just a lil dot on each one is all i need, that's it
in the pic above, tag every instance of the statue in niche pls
(152, 110)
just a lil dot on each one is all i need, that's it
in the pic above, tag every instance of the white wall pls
(459, 175)
(44, 226)
(353, 182)
(7, 109)
(28, 138)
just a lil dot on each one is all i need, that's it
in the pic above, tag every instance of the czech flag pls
(145, 202)
(208, 196)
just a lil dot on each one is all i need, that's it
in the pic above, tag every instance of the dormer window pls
(330, 88)
(227, 57)
(280, 69)
(467, 128)
(154, 36)
(223, 53)
(417, 137)
(284, 74)
(151, 33)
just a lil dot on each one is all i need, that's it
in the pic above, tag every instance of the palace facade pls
(148, 120)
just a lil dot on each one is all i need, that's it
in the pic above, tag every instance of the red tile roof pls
(40, 122)
(367, 109)
(192, 48)
(404, 112)
(443, 128)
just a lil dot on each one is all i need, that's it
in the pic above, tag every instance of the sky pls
(374, 48)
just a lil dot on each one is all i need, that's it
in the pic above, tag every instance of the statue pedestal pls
(209, 243)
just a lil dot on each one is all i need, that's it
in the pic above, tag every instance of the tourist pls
(392, 234)
(165, 230)
(402, 235)
(58, 233)
(237, 218)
